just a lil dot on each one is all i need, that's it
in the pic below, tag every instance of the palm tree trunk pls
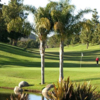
(42, 53)
(61, 60)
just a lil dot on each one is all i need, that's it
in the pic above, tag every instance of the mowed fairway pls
(17, 65)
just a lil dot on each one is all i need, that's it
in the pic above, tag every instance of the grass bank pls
(17, 65)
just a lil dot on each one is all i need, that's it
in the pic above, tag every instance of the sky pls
(79, 4)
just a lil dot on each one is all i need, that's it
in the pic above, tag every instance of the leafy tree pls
(86, 33)
(42, 28)
(95, 17)
(74, 39)
(96, 34)
(95, 22)
(14, 17)
(65, 24)
(3, 31)
(53, 41)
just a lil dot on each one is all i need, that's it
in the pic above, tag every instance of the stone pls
(46, 89)
(23, 84)
(18, 90)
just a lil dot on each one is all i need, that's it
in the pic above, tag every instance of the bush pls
(67, 90)
(28, 44)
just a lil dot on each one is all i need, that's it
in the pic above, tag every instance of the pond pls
(12, 96)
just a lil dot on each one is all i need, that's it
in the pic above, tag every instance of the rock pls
(23, 84)
(18, 90)
(46, 89)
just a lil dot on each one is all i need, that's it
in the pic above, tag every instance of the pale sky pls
(80, 4)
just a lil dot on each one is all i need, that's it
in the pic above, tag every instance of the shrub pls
(67, 90)
(28, 44)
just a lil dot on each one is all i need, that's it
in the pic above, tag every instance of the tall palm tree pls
(65, 24)
(42, 28)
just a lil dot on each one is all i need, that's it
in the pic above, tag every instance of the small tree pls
(95, 22)
(86, 33)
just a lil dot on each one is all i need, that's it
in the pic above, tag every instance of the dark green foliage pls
(28, 44)
(4, 36)
(95, 17)
(67, 90)
(86, 32)
(95, 29)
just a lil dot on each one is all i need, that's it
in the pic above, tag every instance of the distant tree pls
(74, 39)
(53, 41)
(95, 22)
(3, 31)
(86, 33)
(95, 17)
(98, 33)
(14, 17)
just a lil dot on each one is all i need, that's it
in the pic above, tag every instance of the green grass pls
(17, 65)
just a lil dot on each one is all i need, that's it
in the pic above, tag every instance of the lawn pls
(17, 64)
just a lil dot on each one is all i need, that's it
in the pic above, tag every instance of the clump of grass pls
(66, 90)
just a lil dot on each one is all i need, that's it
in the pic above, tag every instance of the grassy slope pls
(17, 65)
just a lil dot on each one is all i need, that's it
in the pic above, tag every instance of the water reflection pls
(18, 97)
(36, 97)
(23, 96)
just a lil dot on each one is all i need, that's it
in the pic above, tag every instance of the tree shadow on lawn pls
(72, 56)
(68, 56)
(88, 79)
(27, 63)
(89, 56)
(19, 51)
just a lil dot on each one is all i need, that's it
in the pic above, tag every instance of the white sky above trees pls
(80, 4)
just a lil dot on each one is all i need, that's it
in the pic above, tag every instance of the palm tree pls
(42, 28)
(65, 24)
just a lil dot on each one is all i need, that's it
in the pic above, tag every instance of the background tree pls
(14, 17)
(95, 22)
(86, 33)
(3, 31)
(74, 39)
(53, 41)
(96, 35)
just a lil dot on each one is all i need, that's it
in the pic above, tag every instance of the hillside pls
(17, 64)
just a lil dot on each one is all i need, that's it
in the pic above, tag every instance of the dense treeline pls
(13, 26)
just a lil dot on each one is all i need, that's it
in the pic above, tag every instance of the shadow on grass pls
(88, 79)
(18, 51)
(89, 56)
(27, 63)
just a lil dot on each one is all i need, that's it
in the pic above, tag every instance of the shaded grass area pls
(17, 64)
